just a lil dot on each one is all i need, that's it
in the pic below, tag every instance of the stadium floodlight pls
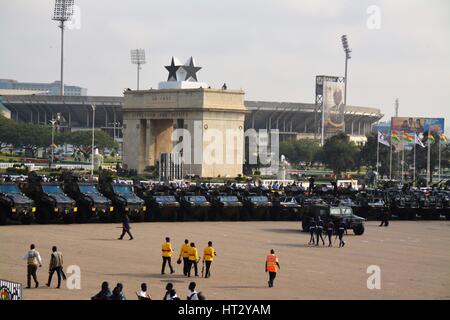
(347, 51)
(138, 58)
(62, 13)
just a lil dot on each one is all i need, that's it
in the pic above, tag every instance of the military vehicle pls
(51, 201)
(255, 207)
(14, 205)
(224, 207)
(122, 197)
(92, 205)
(193, 207)
(336, 214)
(285, 208)
(160, 201)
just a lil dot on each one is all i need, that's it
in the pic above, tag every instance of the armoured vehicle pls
(92, 205)
(285, 208)
(14, 205)
(193, 207)
(51, 201)
(255, 207)
(122, 197)
(224, 207)
(160, 202)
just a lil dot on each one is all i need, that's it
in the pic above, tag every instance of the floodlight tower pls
(63, 12)
(347, 51)
(138, 58)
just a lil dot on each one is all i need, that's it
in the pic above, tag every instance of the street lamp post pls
(347, 51)
(53, 121)
(138, 58)
(93, 138)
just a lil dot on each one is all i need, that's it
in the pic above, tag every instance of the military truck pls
(51, 201)
(122, 197)
(224, 207)
(337, 214)
(193, 207)
(92, 205)
(255, 207)
(285, 208)
(14, 205)
(160, 201)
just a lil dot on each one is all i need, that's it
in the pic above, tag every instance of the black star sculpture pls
(172, 71)
(191, 70)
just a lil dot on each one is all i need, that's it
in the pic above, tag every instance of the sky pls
(271, 49)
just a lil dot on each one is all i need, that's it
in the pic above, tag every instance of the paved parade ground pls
(414, 258)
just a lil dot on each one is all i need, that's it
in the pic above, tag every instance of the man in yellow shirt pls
(193, 259)
(208, 256)
(184, 253)
(167, 250)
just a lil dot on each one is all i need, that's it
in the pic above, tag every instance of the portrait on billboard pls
(417, 125)
(333, 105)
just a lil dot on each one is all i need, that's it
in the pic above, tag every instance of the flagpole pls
(390, 160)
(439, 168)
(414, 172)
(378, 153)
(403, 159)
(428, 161)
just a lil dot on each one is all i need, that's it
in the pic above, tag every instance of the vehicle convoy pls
(255, 207)
(285, 208)
(14, 205)
(92, 205)
(122, 197)
(336, 214)
(51, 201)
(193, 207)
(162, 205)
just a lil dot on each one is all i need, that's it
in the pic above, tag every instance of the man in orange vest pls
(271, 267)
(184, 253)
(193, 259)
(167, 250)
(208, 257)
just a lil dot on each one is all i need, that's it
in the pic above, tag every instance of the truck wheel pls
(358, 229)
(43, 215)
(27, 219)
(2, 217)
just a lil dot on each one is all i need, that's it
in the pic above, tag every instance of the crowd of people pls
(317, 227)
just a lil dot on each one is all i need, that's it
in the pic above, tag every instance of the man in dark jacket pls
(56, 265)
(104, 294)
(126, 226)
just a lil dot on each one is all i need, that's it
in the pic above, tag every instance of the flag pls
(443, 138)
(394, 136)
(431, 137)
(382, 139)
(407, 137)
(418, 141)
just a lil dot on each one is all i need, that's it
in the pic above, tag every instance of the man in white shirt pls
(192, 295)
(143, 295)
(33, 260)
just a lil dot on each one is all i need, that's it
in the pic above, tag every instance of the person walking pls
(126, 226)
(319, 231)
(193, 259)
(56, 265)
(184, 253)
(208, 256)
(312, 232)
(166, 249)
(33, 261)
(342, 229)
(271, 267)
(384, 218)
(330, 230)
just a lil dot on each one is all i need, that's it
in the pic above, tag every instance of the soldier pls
(56, 264)
(208, 256)
(342, 229)
(330, 229)
(167, 250)
(319, 231)
(271, 267)
(312, 231)
(126, 226)
(384, 218)
(33, 260)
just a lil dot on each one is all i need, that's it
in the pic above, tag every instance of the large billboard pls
(417, 125)
(333, 107)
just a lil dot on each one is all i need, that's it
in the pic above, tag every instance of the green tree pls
(8, 133)
(82, 141)
(339, 153)
(422, 155)
(305, 150)
(32, 137)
